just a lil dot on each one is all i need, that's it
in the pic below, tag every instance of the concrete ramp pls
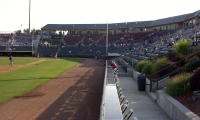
(144, 108)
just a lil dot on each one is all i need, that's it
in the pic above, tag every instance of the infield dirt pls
(8, 68)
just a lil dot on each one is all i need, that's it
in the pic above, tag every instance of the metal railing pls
(177, 70)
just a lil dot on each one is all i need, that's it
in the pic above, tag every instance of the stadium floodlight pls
(107, 41)
(29, 28)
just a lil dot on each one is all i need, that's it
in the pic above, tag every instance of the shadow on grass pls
(34, 78)
(78, 60)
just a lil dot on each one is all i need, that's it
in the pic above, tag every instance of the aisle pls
(144, 108)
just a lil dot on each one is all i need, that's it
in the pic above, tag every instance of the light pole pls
(29, 28)
(107, 41)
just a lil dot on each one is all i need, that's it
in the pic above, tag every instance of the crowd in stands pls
(11, 41)
(23, 40)
(142, 45)
(4, 38)
(123, 42)
(160, 45)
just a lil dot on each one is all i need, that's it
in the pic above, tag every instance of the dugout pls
(17, 53)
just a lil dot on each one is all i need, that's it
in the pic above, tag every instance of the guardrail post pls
(150, 85)
(157, 84)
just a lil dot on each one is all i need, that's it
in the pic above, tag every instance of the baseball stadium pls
(144, 70)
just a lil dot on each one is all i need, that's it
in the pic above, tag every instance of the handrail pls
(185, 58)
(171, 73)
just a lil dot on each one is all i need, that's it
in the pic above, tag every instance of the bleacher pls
(4, 39)
(22, 40)
(18, 44)
(95, 44)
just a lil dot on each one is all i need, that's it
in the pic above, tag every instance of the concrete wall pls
(174, 109)
(161, 84)
(102, 107)
(147, 89)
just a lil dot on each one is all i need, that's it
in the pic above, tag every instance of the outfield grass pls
(17, 60)
(21, 81)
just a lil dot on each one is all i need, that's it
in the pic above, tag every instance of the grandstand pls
(123, 37)
(18, 44)
(88, 40)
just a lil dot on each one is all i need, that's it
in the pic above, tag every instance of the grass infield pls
(21, 81)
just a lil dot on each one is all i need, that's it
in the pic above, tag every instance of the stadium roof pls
(168, 20)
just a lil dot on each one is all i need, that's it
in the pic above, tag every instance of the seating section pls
(140, 45)
(94, 45)
(73, 39)
(17, 39)
(18, 42)
(4, 39)
(22, 40)
(160, 44)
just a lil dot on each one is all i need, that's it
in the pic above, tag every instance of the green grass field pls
(21, 81)
(17, 60)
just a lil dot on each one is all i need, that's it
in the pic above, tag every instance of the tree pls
(26, 31)
(18, 32)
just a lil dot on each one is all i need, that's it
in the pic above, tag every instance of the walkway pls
(144, 108)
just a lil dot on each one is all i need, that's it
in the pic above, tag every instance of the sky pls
(14, 13)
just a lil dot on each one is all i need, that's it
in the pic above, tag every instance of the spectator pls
(114, 66)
